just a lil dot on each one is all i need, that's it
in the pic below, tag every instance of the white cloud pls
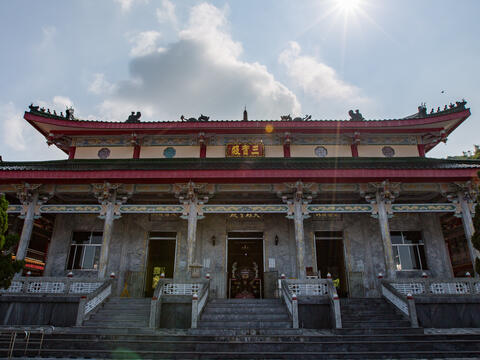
(100, 85)
(13, 126)
(200, 73)
(166, 13)
(126, 5)
(19, 140)
(144, 43)
(317, 79)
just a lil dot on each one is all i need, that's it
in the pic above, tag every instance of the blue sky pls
(170, 58)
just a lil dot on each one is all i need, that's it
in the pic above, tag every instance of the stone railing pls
(290, 300)
(199, 300)
(167, 287)
(334, 305)
(403, 302)
(314, 287)
(63, 286)
(436, 287)
(90, 303)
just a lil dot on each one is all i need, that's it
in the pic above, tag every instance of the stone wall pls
(363, 247)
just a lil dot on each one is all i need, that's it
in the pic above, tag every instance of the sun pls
(348, 6)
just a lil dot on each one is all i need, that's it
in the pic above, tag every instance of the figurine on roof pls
(69, 113)
(355, 116)
(134, 118)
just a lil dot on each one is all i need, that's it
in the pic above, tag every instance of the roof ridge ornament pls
(356, 116)
(134, 118)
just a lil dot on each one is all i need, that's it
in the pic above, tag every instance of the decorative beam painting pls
(231, 209)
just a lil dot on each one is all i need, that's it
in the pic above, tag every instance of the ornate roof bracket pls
(384, 191)
(299, 195)
(107, 193)
(27, 193)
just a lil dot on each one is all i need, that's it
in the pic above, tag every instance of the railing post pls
(153, 313)
(412, 311)
(194, 310)
(294, 311)
(81, 310)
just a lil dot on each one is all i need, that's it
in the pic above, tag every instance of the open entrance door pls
(330, 258)
(161, 258)
(245, 265)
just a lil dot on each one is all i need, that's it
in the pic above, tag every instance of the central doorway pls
(330, 258)
(161, 258)
(245, 264)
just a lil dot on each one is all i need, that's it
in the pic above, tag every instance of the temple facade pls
(243, 202)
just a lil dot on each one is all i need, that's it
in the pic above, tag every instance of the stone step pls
(117, 324)
(244, 324)
(378, 331)
(369, 325)
(122, 353)
(240, 317)
(372, 316)
(265, 346)
(249, 301)
(243, 310)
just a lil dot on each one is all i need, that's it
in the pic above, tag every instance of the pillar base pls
(195, 270)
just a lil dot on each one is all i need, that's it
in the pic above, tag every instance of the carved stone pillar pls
(107, 195)
(385, 232)
(466, 206)
(298, 212)
(29, 199)
(381, 200)
(192, 214)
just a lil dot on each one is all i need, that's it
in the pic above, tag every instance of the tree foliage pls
(8, 267)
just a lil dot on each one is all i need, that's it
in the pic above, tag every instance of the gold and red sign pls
(245, 150)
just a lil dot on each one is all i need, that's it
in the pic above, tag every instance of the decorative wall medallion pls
(169, 152)
(104, 153)
(321, 151)
(388, 151)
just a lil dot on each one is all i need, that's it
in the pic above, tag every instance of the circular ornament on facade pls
(321, 151)
(169, 152)
(104, 153)
(388, 151)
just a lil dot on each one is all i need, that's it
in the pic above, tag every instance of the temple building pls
(246, 199)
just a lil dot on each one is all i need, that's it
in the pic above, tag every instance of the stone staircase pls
(121, 313)
(367, 315)
(186, 346)
(245, 329)
(245, 314)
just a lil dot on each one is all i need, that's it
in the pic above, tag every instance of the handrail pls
(404, 303)
(199, 300)
(90, 303)
(53, 286)
(334, 305)
(27, 331)
(156, 304)
(290, 300)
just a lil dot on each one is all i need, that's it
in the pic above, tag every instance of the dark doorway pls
(245, 264)
(330, 258)
(457, 245)
(161, 258)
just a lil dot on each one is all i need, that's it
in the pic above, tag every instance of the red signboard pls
(245, 150)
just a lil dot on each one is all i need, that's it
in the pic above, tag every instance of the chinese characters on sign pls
(245, 150)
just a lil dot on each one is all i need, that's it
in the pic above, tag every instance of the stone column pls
(465, 204)
(386, 239)
(27, 226)
(299, 236)
(192, 230)
(107, 234)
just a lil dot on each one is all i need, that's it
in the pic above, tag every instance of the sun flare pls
(349, 6)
